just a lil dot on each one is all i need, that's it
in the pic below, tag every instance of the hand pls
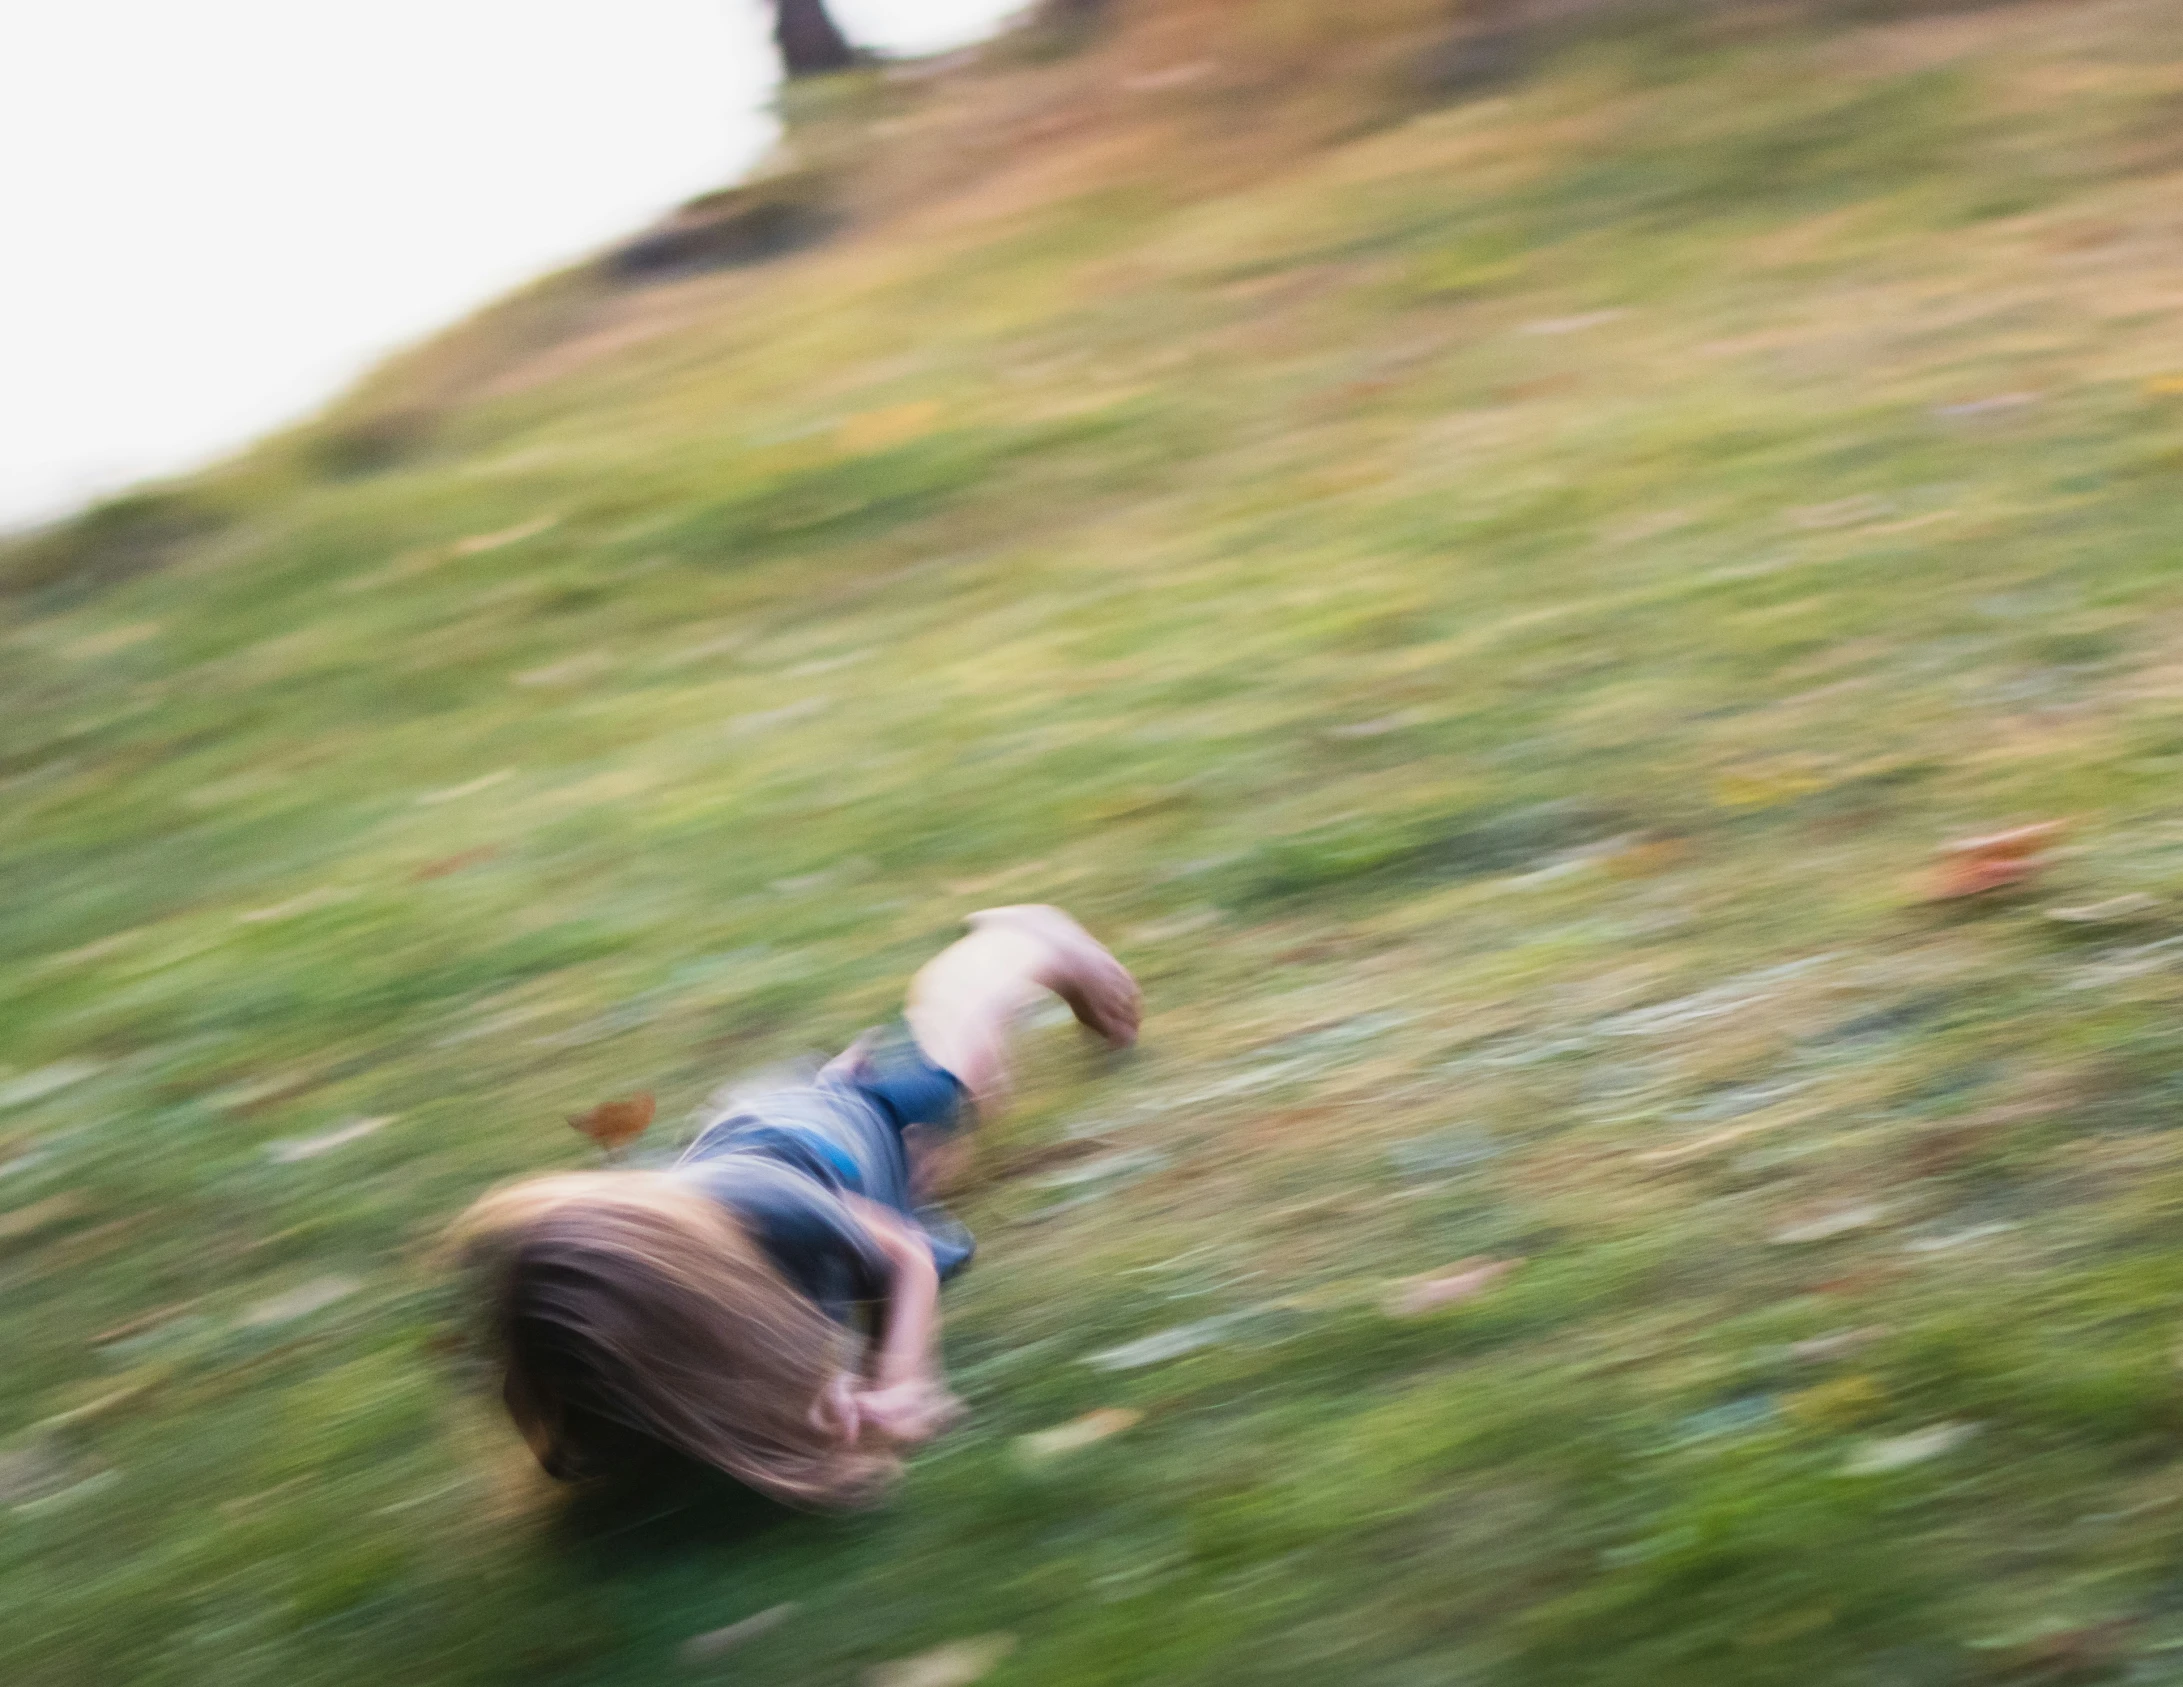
(908, 1412)
(835, 1410)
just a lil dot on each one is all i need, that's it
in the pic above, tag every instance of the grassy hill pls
(1486, 561)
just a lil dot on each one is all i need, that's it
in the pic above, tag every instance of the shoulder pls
(811, 1234)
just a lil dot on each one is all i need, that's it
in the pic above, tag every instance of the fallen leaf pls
(2165, 386)
(956, 1664)
(1974, 866)
(1077, 1432)
(719, 1642)
(1416, 1296)
(1898, 1452)
(613, 1124)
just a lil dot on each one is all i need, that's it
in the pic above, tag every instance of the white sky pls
(215, 213)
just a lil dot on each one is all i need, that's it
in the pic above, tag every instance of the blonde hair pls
(629, 1310)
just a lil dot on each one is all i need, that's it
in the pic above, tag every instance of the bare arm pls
(905, 1397)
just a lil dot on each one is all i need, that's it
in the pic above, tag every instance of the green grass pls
(1491, 616)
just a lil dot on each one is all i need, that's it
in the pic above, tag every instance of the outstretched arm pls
(965, 1001)
(904, 1397)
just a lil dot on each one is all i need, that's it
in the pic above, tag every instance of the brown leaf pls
(613, 1124)
(1974, 866)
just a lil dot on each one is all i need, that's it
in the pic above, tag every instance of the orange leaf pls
(611, 1124)
(1973, 866)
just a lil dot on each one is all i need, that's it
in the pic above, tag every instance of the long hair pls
(630, 1312)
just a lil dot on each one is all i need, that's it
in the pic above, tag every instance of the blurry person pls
(770, 1304)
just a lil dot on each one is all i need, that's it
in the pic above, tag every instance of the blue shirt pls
(782, 1160)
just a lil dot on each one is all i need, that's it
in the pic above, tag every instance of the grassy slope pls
(1503, 733)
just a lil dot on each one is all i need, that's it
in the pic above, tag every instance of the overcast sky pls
(215, 213)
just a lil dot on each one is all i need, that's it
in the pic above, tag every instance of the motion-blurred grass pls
(1489, 603)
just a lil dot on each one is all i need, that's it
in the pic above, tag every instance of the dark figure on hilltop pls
(811, 43)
